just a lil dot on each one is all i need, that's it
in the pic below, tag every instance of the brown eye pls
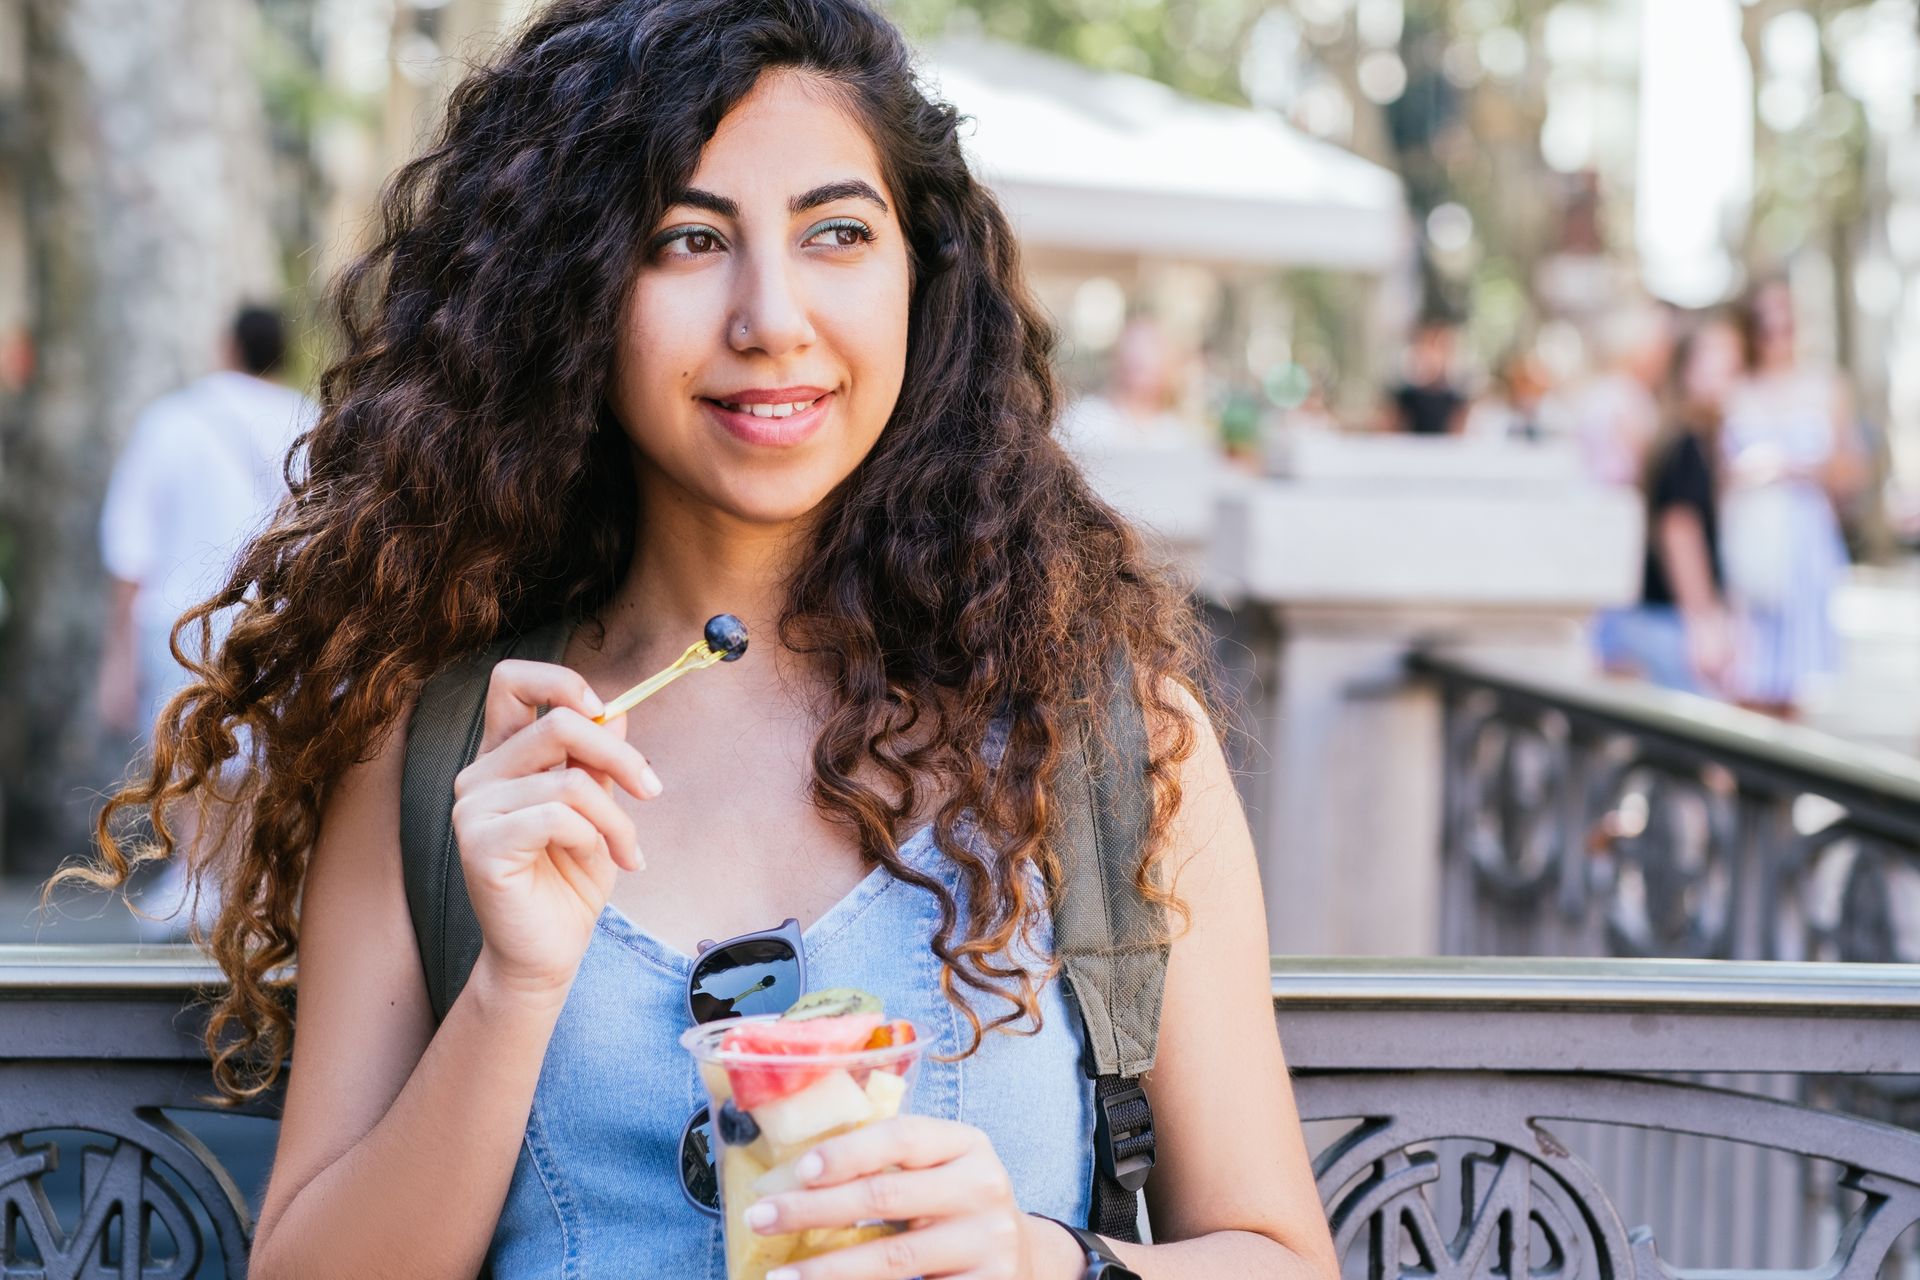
(842, 233)
(700, 242)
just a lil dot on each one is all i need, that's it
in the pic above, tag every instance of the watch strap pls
(1102, 1262)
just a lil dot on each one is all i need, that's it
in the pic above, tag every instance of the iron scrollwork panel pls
(153, 1203)
(1462, 1176)
(1653, 845)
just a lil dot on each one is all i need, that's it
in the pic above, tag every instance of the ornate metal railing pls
(1479, 1107)
(1451, 1102)
(1584, 818)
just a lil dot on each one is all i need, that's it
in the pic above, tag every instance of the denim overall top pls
(596, 1191)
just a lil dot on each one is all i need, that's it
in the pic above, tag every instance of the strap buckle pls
(1123, 1135)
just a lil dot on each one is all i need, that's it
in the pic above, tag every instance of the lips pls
(785, 410)
(782, 417)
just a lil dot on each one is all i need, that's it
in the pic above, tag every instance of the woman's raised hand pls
(541, 837)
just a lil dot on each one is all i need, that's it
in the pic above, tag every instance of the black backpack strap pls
(1112, 946)
(443, 736)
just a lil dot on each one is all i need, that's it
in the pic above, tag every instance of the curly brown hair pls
(466, 480)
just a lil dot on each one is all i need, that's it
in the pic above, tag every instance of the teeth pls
(770, 410)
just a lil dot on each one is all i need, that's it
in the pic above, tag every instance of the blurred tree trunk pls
(146, 172)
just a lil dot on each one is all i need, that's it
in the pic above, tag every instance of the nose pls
(770, 314)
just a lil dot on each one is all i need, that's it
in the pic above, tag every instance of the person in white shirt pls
(202, 471)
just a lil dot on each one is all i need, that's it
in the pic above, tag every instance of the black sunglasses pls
(763, 972)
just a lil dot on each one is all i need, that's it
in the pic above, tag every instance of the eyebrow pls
(826, 193)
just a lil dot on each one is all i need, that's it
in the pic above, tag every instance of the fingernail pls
(761, 1215)
(650, 782)
(783, 1273)
(809, 1168)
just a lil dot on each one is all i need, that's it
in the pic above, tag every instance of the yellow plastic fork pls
(697, 656)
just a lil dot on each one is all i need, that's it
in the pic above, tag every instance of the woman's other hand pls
(940, 1177)
(541, 836)
(1710, 647)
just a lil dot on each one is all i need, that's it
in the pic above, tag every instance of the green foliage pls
(1193, 45)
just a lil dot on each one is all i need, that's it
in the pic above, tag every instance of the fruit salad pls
(779, 1086)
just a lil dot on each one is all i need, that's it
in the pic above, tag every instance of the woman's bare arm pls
(1232, 1190)
(397, 1143)
(1847, 471)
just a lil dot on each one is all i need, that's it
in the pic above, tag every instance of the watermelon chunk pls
(755, 1083)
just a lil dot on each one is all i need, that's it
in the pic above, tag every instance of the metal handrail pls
(1844, 770)
(1783, 988)
(1418, 1013)
(1706, 986)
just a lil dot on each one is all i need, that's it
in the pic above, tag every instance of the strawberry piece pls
(755, 1083)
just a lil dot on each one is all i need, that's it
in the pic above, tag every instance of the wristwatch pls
(1102, 1262)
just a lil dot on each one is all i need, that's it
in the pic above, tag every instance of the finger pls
(617, 726)
(574, 845)
(577, 788)
(518, 689)
(565, 737)
(947, 1248)
(958, 1187)
(908, 1142)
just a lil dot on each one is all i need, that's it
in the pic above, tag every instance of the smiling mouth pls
(769, 410)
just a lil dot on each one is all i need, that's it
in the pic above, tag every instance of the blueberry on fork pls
(726, 635)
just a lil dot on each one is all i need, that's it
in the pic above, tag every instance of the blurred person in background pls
(1615, 415)
(1680, 636)
(1515, 406)
(1136, 407)
(201, 472)
(1788, 453)
(1427, 402)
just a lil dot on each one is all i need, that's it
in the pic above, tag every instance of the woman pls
(1788, 454)
(1680, 635)
(693, 307)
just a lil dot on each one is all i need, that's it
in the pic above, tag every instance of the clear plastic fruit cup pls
(793, 1101)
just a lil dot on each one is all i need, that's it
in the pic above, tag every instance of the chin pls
(774, 500)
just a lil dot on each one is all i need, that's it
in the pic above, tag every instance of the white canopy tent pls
(1110, 163)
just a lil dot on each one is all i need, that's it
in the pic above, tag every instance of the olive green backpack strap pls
(443, 736)
(1112, 947)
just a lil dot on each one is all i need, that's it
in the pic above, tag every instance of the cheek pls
(872, 335)
(658, 351)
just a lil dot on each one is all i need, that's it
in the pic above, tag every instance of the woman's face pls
(1713, 365)
(765, 338)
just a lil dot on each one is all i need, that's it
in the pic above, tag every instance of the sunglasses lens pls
(761, 975)
(697, 1178)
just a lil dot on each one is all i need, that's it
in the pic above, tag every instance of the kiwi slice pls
(834, 1002)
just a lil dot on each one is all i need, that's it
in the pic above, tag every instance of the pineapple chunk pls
(719, 1088)
(886, 1091)
(780, 1178)
(833, 1101)
(750, 1255)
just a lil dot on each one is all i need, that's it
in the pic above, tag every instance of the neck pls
(692, 561)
